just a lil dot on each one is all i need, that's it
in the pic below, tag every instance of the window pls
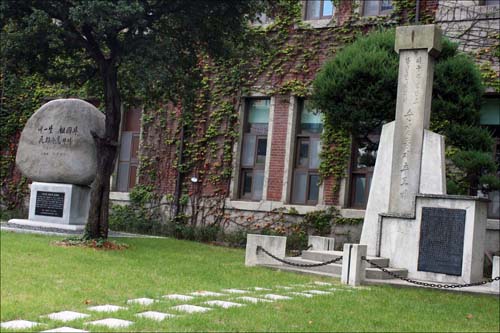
(377, 7)
(305, 186)
(489, 3)
(490, 119)
(128, 159)
(363, 162)
(254, 148)
(319, 9)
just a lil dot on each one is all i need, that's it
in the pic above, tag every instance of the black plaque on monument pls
(49, 203)
(441, 240)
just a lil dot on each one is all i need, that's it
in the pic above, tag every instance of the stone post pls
(319, 243)
(274, 244)
(417, 46)
(495, 285)
(353, 267)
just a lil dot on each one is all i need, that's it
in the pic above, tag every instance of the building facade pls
(251, 151)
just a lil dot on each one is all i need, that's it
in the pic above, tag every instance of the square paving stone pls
(154, 315)
(106, 308)
(261, 289)
(253, 299)
(141, 301)
(320, 283)
(18, 324)
(66, 315)
(275, 297)
(190, 308)
(235, 291)
(206, 293)
(66, 329)
(317, 292)
(111, 323)
(179, 297)
(223, 304)
(302, 294)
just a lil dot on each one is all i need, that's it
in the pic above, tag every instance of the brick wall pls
(277, 153)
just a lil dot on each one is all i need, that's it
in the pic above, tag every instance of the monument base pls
(442, 242)
(46, 225)
(63, 204)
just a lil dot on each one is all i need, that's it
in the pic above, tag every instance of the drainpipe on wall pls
(178, 182)
(417, 14)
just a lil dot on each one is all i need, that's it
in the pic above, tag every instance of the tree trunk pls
(97, 224)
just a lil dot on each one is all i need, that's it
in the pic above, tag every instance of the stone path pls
(198, 304)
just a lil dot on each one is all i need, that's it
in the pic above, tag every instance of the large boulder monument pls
(57, 152)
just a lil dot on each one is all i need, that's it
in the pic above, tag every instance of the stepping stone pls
(154, 315)
(106, 308)
(284, 287)
(190, 308)
(275, 297)
(317, 292)
(111, 323)
(235, 291)
(302, 294)
(18, 324)
(206, 293)
(66, 315)
(253, 299)
(261, 289)
(179, 297)
(223, 304)
(141, 301)
(65, 329)
(319, 283)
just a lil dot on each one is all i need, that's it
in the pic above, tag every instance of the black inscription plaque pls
(441, 240)
(49, 203)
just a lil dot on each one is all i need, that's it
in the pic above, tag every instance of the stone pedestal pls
(59, 203)
(318, 243)
(274, 244)
(495, 285)
(353, 267)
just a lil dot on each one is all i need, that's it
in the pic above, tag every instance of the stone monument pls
(57, 151)
(409, 218)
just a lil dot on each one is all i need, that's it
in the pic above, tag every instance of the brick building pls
(253, 145)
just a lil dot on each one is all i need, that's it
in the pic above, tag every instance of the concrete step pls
(335, 269)
(323, 256)
(375, 273)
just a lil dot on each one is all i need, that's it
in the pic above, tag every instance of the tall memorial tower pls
(409, 218)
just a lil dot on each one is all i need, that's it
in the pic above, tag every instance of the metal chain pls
(260, 248)
(427, 284)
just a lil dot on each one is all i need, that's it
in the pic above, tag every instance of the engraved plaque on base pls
(441, 240)
(49, 203)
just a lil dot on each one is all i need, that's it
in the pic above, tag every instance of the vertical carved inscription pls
(408, 135)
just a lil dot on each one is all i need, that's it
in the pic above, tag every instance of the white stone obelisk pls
(417, 46)
(401, 158)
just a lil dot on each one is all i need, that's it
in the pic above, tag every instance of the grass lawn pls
(38, 278)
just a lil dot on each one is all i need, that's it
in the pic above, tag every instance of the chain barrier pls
(260, 248)
(427, 284)
(300, 251)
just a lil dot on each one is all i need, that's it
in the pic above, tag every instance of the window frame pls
(249, 196)
(355, 172)
(321, 16)
(380, 12)
(301, 136)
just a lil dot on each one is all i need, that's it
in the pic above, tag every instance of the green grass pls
(38, 278)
